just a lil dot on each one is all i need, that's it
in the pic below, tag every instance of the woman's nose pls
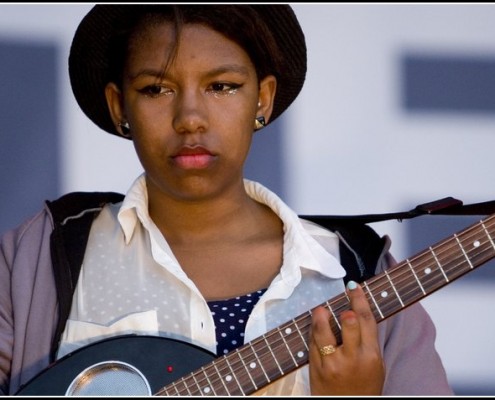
(191, 112)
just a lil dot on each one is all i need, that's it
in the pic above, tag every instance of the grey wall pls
(29, 121)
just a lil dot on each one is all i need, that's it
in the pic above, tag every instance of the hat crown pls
(91, 52)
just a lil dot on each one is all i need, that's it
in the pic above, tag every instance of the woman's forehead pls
(198, 46)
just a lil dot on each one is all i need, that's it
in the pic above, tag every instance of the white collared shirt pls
(131, 282)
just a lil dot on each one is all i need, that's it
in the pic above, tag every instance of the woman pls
(194, 252)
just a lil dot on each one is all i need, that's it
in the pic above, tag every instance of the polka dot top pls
(230, 320)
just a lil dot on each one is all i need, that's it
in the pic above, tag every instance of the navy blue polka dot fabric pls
(230, 319)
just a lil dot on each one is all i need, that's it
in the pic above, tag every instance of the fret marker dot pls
(288, 330)
(228, 378)
(206, 390)
(428, 271)
(252, 365)
(300, 354)
(384, 293)
(476, 244)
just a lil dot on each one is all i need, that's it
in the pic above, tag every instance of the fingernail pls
(351, 285)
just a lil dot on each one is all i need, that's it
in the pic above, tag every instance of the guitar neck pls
(285, 348)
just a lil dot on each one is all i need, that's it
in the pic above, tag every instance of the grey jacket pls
(38, 276)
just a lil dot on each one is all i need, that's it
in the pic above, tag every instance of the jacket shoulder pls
(73, 214)
(71, 204)
(360, 246)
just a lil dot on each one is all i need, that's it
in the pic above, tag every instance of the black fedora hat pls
(90, 53)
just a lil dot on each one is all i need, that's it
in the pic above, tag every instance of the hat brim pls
(90, 49)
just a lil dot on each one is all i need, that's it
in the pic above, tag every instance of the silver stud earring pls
(125, 128)
(259, 123)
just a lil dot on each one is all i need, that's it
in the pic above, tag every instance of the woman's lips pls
(193, 158)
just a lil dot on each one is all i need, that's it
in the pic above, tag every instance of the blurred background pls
(398, 109)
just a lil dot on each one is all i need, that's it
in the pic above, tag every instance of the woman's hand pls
(356, 367)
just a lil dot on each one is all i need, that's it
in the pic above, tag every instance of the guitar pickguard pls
(159, 359)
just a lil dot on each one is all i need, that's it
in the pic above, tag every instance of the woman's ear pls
(114, 103)
(268, 88)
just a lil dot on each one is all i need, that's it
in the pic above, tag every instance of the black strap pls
(445, 206)
(359, 250)
(68, 243)
(360, 263)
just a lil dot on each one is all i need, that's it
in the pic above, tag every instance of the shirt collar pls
(300, 246)
(134, 207)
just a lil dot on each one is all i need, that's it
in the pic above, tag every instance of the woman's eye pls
(155, 90)
(221, 88)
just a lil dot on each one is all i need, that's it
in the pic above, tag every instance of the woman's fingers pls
(359, 327)
(334, 368)
(322, 340)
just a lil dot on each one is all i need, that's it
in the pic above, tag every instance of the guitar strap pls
(445, 206)
(360, 247)
(72, 216)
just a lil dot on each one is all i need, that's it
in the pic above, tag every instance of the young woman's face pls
(192, 126)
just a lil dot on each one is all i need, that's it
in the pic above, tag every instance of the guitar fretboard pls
(282, 350)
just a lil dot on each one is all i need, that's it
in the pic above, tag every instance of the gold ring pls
(326, 350)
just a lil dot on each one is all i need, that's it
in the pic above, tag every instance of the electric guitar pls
(150, 365)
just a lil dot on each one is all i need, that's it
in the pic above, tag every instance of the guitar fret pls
(415, 276)
(168, 391)
(428, 270)
(403, 282)
(340, 303)
(377, 307)
(190, 385)
(266, 358)
(256, 366)
(229, 377)
(222, 380)
(488, 234)
(241, 359)
(394, 288)
(226, 376)
(210, 387)
(476, 249)
(231, 381)
(438, 263)
(463, 252)
(335, 319)
(273, 355)
(299, 343)
(284, 352)
(289, 350)
(301, 335)
(186, 387)
(199, 388)
(176, 387)
(456, 259)
(215, 379)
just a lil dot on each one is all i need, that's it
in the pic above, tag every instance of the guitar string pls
(284, 341)
(444, 257)
(439, 255)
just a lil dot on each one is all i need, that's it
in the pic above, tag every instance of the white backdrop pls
(352, 149)
(349, 110)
